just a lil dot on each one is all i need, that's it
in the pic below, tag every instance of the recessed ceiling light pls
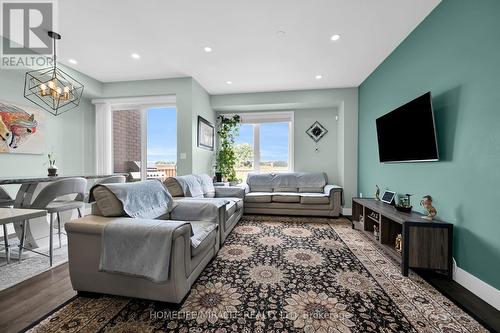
(135, 56)
(72, 61)
(207, 49)
(229, 82)
(319, 77)
(335, 37)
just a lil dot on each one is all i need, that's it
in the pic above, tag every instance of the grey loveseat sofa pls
(194, 243)
(200, 188)
(297, 193)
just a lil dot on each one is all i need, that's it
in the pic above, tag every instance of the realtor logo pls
(25, 42)
(25, 26)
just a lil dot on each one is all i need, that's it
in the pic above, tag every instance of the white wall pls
(306, 156)
(342, 102)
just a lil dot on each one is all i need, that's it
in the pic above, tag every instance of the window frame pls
(258, 118)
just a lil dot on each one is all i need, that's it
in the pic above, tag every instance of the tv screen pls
(408, 134)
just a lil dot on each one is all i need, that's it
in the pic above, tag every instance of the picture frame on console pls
(388, 197)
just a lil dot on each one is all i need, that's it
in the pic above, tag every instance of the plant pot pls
(52, 172)
(403, 209)
(218, 177)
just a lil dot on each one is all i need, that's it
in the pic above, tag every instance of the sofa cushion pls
(285, 189)
(260, 182)
(107, 203)
(284, 197)
(311, 182)
(314, 199)
(202, 236)
(207, 184)
(173, 187)
(311, 189)
(258, 197)
(285, 182)
(191, 186)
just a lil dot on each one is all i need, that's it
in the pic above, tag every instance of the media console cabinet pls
(425, 244)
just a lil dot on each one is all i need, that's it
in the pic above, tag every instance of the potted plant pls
(227, 130)
(52, 169)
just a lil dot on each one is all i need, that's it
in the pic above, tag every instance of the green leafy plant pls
(227, 130)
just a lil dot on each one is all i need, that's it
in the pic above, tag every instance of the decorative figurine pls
(377, 193)
(399, 243)
(375, 232)
(427, 204)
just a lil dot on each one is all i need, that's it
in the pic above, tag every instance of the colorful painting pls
(21, 129)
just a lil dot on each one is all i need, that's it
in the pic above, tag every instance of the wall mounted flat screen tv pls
(408, 133)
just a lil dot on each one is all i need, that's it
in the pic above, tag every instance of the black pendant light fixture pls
(51, 88)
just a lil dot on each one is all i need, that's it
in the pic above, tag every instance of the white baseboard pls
(346, 211)
(481, 289)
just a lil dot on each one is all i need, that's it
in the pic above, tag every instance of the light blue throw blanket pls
(191, 186)
(138, 247)
(147, 199)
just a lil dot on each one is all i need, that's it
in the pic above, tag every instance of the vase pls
(52, 171)
(218, 177)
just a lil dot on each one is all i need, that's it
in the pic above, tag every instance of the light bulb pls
(43, 89)
(66, 93)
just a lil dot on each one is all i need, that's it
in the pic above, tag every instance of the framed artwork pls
(206, 133)
(22, 129)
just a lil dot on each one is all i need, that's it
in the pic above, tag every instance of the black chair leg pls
(59, 229)
(23, 237)
(6, 243)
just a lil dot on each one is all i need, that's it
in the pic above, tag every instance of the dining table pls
(37, 230)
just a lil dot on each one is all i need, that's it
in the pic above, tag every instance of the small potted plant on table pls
(52, 169)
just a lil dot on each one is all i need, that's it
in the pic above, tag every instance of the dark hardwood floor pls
(30, 300)
(484, 313)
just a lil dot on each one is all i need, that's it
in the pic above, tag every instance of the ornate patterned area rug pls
(282, 274)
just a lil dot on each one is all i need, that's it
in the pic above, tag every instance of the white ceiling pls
(247, 50)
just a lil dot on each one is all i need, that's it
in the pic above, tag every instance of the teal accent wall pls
(454, 53)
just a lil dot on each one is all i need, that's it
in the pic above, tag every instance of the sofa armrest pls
(229, 192)
(198, 210)
(329, 188)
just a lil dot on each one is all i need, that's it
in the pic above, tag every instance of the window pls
(145, 137)
(244, 149)
(161, 143)
(265, 143)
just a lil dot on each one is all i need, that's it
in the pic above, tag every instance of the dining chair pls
(49, 199)
(5, 202)
(5, 199)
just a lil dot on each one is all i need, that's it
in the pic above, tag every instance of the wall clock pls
(316, 131)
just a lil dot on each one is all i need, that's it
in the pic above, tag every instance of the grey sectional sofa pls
(194, 244)
(200, 188)
(297, 193)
